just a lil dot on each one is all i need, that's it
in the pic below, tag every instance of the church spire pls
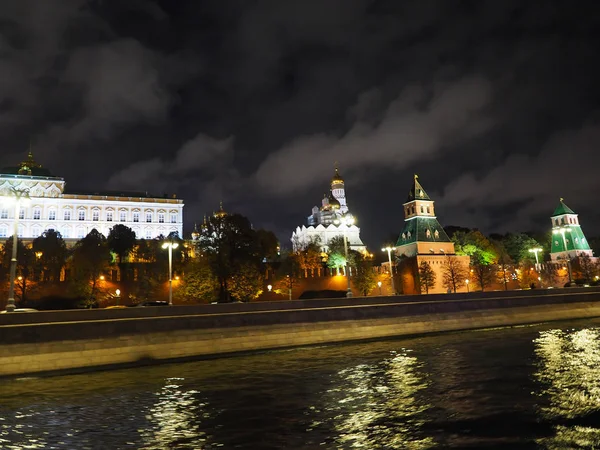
(417, 192)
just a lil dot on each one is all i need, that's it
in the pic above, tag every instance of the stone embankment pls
(70, 341)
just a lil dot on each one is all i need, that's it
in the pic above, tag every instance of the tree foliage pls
(454, 273)
(364, 278)
(199, 284)
(121, 241)
(52, 252)
(25, 265)
(517, 247)
(482, 271)
(427, 276)
(91, 256)
(246, 283)
(472, 242)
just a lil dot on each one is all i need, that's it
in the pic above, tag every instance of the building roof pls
(27, 167)
(415, 230)
(562, 209)
(113, 193)
(417, 192)
(337, 178)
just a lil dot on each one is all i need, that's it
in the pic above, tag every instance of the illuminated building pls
(325, 222)
(568, 240)
(75, 214)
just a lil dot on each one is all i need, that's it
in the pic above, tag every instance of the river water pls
(510, 388)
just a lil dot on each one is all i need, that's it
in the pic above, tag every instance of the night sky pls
(495, 104)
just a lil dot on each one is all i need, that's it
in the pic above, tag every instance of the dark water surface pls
(512, 388)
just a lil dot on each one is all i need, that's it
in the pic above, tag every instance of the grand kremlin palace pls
(75, 214)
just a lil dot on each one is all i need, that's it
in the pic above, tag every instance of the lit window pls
(81, 215)
(148, 217)
(67, 214)
(428, 211)
(109, 216)
(35, 232)
(148, 234)
(408, 234)
(173, 218)
(123, 216)
(436, 234)
(428, 234)
(95, 216)
(37, 214)
(21, 214)
(52, 215)
(161, 218)
(4, 214)
(136, 216)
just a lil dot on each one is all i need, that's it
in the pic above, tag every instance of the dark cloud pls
(493, 103)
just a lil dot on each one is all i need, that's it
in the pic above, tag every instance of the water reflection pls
(569, 370)
(376, 405)
(176, 419)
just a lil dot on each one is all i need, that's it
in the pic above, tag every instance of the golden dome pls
(337, 178)
(333, 202)
(221, 212)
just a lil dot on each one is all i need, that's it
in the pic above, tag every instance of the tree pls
(121, 241)
(454, 273)
(587, 268)
(474, 242)
(309, 256)
(517, 247)
(199, 284)
(229, 242)
(504, 264)
(365, 278)
(246, 283)
(427, 276)
(288, 274)
(90, 257)
(483, 271)
(51, 253)
(25, 263)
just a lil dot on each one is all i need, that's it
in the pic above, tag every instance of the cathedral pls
(327, 221)
(74, 214)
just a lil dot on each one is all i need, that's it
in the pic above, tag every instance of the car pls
(21, 310)
(154, 303)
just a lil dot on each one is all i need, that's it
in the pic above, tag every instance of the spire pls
(417, 192)
(195, 233)
(562, 209)
(221, 212)
(337, 178)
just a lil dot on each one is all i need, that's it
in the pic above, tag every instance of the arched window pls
(436, 234)
(428, 234)
(3, 230)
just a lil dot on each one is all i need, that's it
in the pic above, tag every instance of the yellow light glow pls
(20, 278)
(101, 277)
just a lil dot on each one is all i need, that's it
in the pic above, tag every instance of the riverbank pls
(68, 341)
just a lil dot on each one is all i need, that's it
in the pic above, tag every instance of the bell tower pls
(338, 191)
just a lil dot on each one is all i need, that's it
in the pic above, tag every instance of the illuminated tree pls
(198, 284)
(364, 277)
(483, 271)
(454, 273)
(427, 276)
(51, 253)
(25, 264)
(246, 283)
(91, 256)
(121, 241)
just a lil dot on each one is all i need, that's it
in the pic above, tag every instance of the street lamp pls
(18, 196)
(562, 231)
(170, 246)
(117, 296)
(379, 284)
(535, 251)
(347, 221)
(467, 283)
(269, 287)
(389, 252)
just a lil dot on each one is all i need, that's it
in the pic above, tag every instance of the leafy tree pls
(474, 242)
(517, 247)
(288, 274)
(25, 263)
(51, 251)
(228, 242)
(121, 241)
(483, 271)
(454, 273)
(199, 284)
(336, 254)
(91, 256)
(365, 278)
(587, 268)
(526, 275)
(309, 256)
(246, 283)
(268, 245)
(504, 264)
(427, 276)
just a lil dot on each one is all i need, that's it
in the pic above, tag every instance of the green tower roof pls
(417, 192)
(562, 209)
(422, 229)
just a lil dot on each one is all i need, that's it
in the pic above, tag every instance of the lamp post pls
(562, 231)
(379, 284)
(269, 287)
(347, 221)
(117, 296)
(535, 251)
(170, 246)
(389, 252)
(18, 196)
(467, 283)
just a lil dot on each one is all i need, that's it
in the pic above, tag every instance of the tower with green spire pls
(422, 233)
(568, 240)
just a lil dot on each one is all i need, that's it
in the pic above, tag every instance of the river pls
(510, 388)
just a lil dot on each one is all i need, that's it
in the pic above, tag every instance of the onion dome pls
(333, 202)
(221, 212)
(195, 233)
(337, 178)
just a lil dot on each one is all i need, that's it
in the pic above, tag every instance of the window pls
(52, 215)
(4, 214)
(436, 234)
(136, 216)
(403, 236)
(428, 234)
(161, 217)
(66, 233)
(148, 234)
(21, 214)
(37, 214)
(148, 217)
(428, 211)
(422, 211)
(20, 231)
(80, 233)
(173, 217)
(109, 216)
(3, 231)
(123, 216)
(81, 215)
(95, 216)
(35, 232)
(67, 214)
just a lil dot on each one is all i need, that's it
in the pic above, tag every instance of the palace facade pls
(75, 214)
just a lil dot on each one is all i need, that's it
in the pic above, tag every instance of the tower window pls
(422, 211)
(123, 216)
(428, 211)
(408, 234)
(21, 214)
(403, 236)
(436, 234)
(428, 234)
(174, 218)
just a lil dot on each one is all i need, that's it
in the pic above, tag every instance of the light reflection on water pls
(529, 387)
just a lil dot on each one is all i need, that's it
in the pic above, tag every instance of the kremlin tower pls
(568, 240)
